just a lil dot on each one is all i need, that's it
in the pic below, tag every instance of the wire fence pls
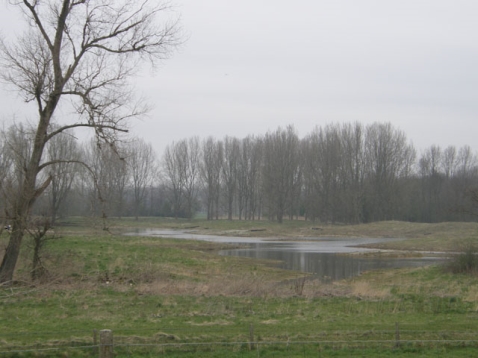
(236, 341)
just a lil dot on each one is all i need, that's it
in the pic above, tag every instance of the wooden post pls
(95, 341)
(106, 343)
(251, 337)
(397, 336)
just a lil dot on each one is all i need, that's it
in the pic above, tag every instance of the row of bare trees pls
(347, 173)
(96, 179)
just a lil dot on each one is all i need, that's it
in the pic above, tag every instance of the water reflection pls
(321, 256)
(326, 265)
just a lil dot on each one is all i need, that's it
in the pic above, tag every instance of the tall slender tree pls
(281, 168)
(229, 172)
(142, 163)
(63, 173)
(211, 163)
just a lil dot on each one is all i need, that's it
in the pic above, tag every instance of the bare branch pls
(32, 9)
(39, 191)
(85, 125)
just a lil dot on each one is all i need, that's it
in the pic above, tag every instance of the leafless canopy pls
(87, 50)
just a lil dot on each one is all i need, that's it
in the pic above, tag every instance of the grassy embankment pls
(164, 290)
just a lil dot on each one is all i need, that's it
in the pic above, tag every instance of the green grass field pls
(167, 293)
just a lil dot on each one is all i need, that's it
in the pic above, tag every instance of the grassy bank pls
(153, 290)
(418, 236)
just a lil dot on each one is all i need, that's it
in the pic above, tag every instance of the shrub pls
(466, 261)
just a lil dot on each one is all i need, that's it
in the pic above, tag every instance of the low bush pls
(465, 261)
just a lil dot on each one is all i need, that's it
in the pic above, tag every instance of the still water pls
(328, 258)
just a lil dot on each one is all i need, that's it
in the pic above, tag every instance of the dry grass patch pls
(366, 289)
(471, 295)
(241, 286)
(252, 286)
(270, 321)
(424, 281)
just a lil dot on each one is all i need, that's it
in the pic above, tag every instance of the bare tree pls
(388, 159)
(62, 172)
(432, 177)
(249, 183)
(142, 163)
(212, 157)
(243, 168)
(181, 170)
(229, 173)
(193, 171)
(174, 175)
(466, 164)
(449, 161)
(5, 167)
(459, 168)
(255, 179)
(464, 183)
(81, 54)
(107, 177)
(16, 150)
(322, 152)
(281, 168)
(352, 172)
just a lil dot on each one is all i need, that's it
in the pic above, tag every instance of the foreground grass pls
(162, 291)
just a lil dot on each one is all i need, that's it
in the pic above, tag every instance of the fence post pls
(397, 335)
(106, 343)
(95, 341)
(251, 337)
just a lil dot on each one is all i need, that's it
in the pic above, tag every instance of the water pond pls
(328, 258)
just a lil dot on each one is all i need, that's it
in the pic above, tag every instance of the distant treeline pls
(339, 173)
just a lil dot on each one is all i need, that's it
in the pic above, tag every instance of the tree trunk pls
(26, 197)
(229, 208)
(12, 252)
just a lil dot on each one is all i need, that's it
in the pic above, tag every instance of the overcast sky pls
(251, 66)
